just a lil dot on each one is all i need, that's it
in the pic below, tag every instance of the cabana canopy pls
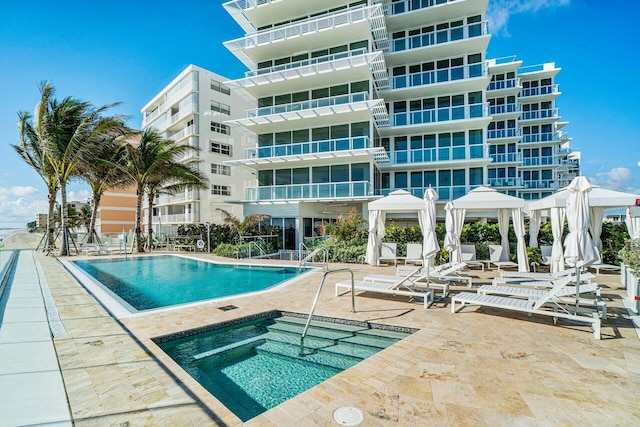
(485, 198)
(598, 197)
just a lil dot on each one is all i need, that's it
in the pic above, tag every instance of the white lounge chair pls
(606, 267)
(402, 286)
(469, 256)
(414, 254)
(539, 306)
(495, 256)
(539, 279)
(388, 253)
(405, 270)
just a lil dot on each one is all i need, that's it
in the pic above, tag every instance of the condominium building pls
(356, 99)
(192, 110)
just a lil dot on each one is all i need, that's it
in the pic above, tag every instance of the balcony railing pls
(177, 198)
(543, 137)
(349, 189)
(308, 105)
(462, 112)
(184, 218)
(504, 133)
(504, 109)
(440, 76)
(189, 130)
(444, 193)
(306, 62)
(540, 161)
(540, 90)
(505, 84)
(437, 154)
(404, 6)
(439, 37)
(340, 144)
(540, 114)
(506, 157)
(505, 182)
(541, 184)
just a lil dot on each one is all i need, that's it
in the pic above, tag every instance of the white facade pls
(357, 99)
(192, 110)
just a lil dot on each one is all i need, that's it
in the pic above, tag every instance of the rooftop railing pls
(333, 190)
(339, 144)
(440, 76)
(439, 37)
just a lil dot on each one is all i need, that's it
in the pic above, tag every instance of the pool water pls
(160, 281)
(257, 364)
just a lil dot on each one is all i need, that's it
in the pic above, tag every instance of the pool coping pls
(120, 309)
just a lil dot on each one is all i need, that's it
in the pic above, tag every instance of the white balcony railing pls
(505, 182)
(189, 130)
(333, 190)
(438, 37)
(540, 161)
(547, 183)
(341, 144)
(504, 109)
(505, 84)
(440, 76)
(540, 90)
(308, 105)
(443, 154)
(506, 157)
(462, 112)
(540, 114)
(504, 133)
(404, 6)
(544, 137)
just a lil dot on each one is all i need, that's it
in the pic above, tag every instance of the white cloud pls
(78, 196)
(620, 179)
(19, 205)
(499, 11)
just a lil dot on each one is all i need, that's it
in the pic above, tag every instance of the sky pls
(126, 52)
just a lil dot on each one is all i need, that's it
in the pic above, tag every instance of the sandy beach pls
(21, 239)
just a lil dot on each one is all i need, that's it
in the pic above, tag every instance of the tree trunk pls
(94, 215)
(139, 194)
(64, 249)
(150, 222)
(51, 220)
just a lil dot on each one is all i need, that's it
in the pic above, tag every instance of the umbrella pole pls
(577, 287)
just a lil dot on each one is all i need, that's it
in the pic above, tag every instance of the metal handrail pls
(325, 260)
(260, 250)
(315, 302)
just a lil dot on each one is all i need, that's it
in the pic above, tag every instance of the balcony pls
(466, 154)
(319, 112)
(324, 191)
(440, 115)
(314, 150)
(546, 92)
(440, 43)
(453, 79)
(531, 185)
(188, 131)
(506, 111)
(546, 137)
(540, 161)
(505, 182)
(322, 71)
(188, 196)
(506, 158)
(445, 194)
(175, 94)
(412, 13)
(539, 116)
(501, 85)
(504, 135)
(360, 22)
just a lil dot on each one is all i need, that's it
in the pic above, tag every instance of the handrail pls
(315, 302)
(260, 250)
(325, 261)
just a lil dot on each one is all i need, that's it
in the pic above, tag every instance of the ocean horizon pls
(4, 232)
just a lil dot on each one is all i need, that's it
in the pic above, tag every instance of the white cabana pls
(633, 225)
(486, 199)
(399, 201)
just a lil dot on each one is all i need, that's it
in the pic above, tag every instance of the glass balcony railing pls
(506, 157)
(308, 105)
(437, 154)
(504, 109)
(505, 182)
(306, 62)
(540, 90)
(445, 193)
(461, 112)
(504, 84)
(504, 133)
(543, 137)
(541, 184)
(439, 37)
(440, 76)
(403, 6)
(340, 144)
(540, 114)
(540, 161)
(348, 189)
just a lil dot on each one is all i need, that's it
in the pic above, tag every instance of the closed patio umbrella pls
(579, 248)
(427, 218)
(451, 238)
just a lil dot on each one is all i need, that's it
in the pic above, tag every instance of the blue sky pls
(117, 51)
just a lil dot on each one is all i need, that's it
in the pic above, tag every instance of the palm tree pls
(240, 226)
(153, 162)
(30, 149)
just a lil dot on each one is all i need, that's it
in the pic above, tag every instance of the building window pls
(221, 190)
(220, 148)
(220, 169)
(219, 87)
(220, 107)
(220, 128)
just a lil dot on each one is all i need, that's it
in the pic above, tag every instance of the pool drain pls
(348, 416)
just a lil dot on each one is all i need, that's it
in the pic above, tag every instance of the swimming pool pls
(251, 365)
(151, 282)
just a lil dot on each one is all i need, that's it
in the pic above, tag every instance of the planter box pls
(632, 283)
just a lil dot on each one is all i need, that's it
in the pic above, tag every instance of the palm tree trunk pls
(64, 250)
(51, 219)
(150, 222)
(94, 215)
(139, 194)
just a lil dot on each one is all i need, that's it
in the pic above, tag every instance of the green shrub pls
(227, 250)
(630, 255)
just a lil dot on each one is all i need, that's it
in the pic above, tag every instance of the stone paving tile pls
(476, 367)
